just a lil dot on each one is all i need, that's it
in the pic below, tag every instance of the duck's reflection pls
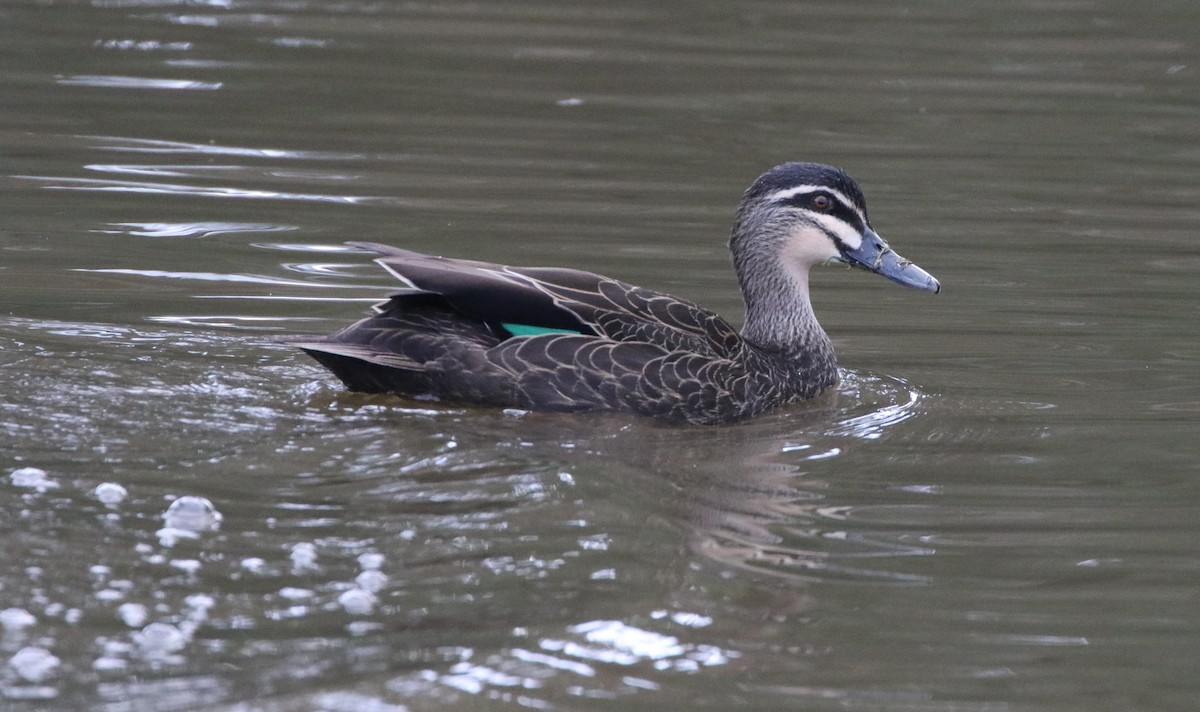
(755, 495)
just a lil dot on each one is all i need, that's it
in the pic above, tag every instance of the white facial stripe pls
(798, 189)
(848, 235)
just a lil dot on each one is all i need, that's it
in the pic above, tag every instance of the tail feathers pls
(362, 368)
(388, 359)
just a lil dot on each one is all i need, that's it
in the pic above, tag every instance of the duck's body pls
(567, 340)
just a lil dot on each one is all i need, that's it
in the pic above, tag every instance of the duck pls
(554, 339)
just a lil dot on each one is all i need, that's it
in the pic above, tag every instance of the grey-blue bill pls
(874, 255)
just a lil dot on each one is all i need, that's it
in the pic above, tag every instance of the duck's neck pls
(779, 315)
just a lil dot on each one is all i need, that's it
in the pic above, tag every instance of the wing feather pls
(562, 299)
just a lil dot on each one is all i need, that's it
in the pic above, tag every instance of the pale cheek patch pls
(808, 246)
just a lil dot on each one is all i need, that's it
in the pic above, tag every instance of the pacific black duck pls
(566, 340)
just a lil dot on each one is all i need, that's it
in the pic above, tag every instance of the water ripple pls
(148, 145)
(218, 277)
(232, 321)
(197, 229)
(873, 425)
(177, 171)
(118, 186)
(307, 247)
(118, 82)
(143, 45)
(323, 269)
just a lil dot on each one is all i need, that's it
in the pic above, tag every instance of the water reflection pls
(177, 189)
(324, 268)
(197, 229)
(118, 82)
(417, 532)
(306, 247)
(170, 171)
(450, 554)
(220, 277)
(159, 146)
(759, 508)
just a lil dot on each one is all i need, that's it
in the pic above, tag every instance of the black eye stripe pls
(839, 210)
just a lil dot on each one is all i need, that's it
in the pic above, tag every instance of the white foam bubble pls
(371, 580)
(371, 561)
(187, 518)
(195, 514)
(16, 619)
(199, 603)
(34, 664)
(106, 663)
(32, 478)
(253, 564)
(188, 566)
(304, 555)
(160, 639)
(132, 614)
(357, 602)
(295, 594)
(110, 493)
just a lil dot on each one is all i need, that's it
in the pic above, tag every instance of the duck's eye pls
(822, 202)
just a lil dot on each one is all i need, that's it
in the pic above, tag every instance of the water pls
(997, 510)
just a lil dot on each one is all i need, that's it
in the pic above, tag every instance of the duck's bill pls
(874, 255)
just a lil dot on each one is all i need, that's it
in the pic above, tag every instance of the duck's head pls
(805, 214)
